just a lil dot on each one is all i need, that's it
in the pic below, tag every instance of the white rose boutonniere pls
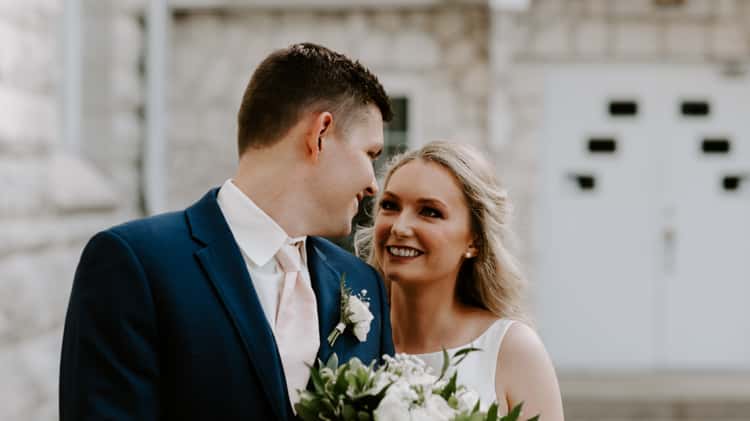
(355, 314)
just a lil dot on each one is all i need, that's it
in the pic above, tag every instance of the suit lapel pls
(222, 261)
(326, 282)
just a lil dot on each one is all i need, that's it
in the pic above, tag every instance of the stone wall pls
(436, 55)
(474, 75)
(113, 127)
(52, 201)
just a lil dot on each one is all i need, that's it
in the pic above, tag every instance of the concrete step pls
(652, 396)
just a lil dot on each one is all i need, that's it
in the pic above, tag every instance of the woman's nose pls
(402, 226)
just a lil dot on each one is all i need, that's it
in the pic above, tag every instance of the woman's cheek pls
(381, 234)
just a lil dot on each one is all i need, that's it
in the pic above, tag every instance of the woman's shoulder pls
(525, 372)
(521, 346)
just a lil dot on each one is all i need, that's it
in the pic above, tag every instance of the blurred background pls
(620, 128)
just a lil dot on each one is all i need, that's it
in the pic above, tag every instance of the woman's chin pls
(403, 277)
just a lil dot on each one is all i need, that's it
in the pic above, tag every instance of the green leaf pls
(317, 380)
(450, 388)
(364, 416)
(306, 414)
(492, 412)
(333, 362)
(327, 405)
(349, 413)
(513, 414)
(446, 364)
(341, 384)
(463, 353)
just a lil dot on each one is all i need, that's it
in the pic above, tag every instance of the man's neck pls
(275, 189)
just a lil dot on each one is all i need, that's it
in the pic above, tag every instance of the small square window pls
(602, 145)
(623, 108)
(698, 108)
(716, 146)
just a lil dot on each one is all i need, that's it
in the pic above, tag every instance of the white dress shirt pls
(259, 238)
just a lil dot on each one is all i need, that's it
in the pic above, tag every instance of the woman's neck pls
(424, 318)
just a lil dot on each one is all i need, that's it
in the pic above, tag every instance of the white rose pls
(395, 403)
(423, 379)
(435, 409)
(359, 314)
(467, 399)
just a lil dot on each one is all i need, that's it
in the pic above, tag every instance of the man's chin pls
(346, 230)
(342, 230)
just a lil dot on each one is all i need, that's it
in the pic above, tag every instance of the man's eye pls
(388, 205)
(432, 212)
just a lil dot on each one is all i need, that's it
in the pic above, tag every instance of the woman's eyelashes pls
(388, 205)
(431, 212)
(427, 211)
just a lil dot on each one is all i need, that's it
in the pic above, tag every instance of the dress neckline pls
(459, 347)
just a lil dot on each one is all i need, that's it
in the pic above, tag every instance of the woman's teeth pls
(403, 252)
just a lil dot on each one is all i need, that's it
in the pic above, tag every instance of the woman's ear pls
(472, 250)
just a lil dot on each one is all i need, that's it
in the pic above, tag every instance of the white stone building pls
(618, 127)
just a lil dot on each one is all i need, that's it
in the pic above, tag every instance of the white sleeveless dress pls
(477, 370)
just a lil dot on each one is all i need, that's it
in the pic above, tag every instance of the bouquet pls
(403, 388)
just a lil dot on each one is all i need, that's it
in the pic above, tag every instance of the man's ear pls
(317, 136)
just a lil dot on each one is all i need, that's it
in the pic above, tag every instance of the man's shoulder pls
(174, 225)
(162, 225)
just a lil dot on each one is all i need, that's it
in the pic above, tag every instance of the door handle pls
(669, 240)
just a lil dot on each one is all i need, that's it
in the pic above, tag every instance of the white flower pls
(402, 402)
(355, 314)
(422, 379)
(435, 409)
(395, 405)
(359, 314)
(467, 399)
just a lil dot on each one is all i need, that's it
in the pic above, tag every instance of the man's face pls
(345, 174)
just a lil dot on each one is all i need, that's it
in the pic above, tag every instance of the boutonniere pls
(354, 312)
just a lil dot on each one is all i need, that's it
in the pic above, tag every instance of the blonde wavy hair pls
(492, 280)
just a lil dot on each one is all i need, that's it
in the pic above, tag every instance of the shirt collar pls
(256, 233)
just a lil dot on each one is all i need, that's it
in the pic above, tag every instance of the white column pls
(154, 159)
(503, 37)
(71, 95)
(510, 5)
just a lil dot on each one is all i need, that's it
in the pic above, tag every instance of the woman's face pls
(422, 226)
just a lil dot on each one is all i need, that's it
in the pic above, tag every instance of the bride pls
(438, 241)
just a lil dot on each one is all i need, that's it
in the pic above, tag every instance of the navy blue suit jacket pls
(164, 323)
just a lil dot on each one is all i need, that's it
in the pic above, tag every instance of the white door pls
(642, 202)
(707, 281)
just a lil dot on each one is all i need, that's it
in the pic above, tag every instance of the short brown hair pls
(291, 80)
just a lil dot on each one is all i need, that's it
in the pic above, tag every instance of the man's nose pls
(372, 189)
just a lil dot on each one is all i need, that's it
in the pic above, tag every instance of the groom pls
(212, 313)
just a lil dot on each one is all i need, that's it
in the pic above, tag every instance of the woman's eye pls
(432, 213)
(388, 205)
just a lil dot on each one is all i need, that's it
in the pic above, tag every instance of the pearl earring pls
(468, 254)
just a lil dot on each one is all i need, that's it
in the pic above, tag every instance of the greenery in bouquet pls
(403, 388)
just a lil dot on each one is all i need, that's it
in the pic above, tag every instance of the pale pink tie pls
(296, 322)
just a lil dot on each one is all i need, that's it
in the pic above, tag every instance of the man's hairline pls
(338, 128)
